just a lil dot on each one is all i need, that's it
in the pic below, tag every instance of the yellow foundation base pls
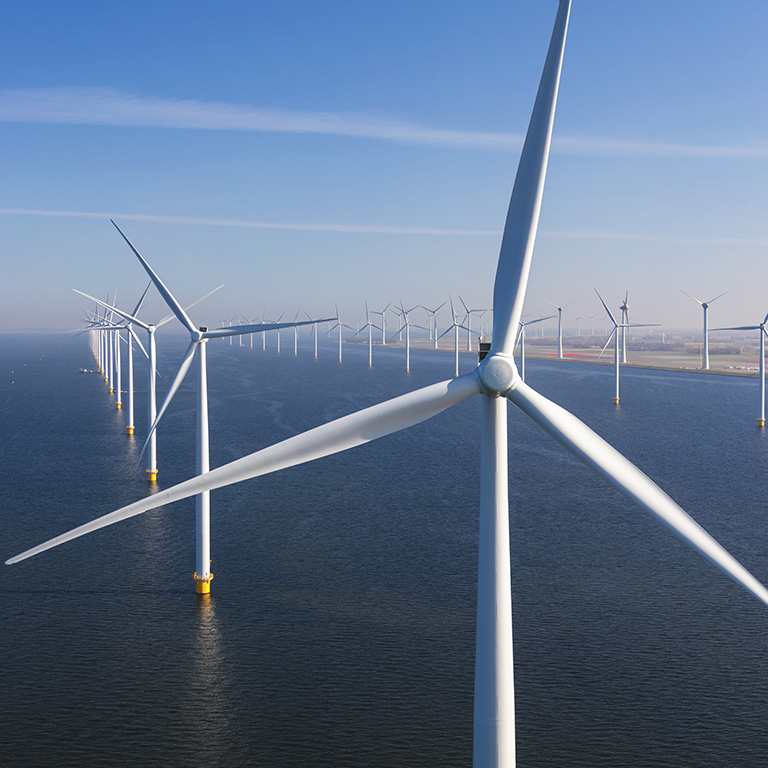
(119, 406)
(202, 586)
(152, 476)
(129, 430)
(111, 390)
(761, 422)
(615, 400)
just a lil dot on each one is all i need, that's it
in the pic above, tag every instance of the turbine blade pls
(168, 318)
(694, 298)
(170, 299)
(587, 446)
(186, 361)
(344, 433)
(240, 330)
(610, 314)
(141, 300)
(137, 340)
(717, 297)
(523, 214)
(120, 312)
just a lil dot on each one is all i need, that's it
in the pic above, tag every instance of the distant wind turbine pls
(523, 324)
(705, 342)
(559, 327)
(432, 318)
(455, 326)
(618, 329)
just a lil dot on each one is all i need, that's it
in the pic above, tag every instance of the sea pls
(340, 627)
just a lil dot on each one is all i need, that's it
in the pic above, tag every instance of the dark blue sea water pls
(340, 628)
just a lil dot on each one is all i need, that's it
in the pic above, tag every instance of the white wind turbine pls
(455, 327)
(370, 326)
(199, 338)
(432, 318)
(761, 369)
(560, 328)
(496, 380)
(624, 321)
(383, 314)
(151, 372)
(705, 343)
(339, 326)
(618, 329)
(406, 326)
(130, 338)
(470, 312)
(523, 324)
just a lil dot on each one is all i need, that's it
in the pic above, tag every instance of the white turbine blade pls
(340, 435)
(186, 361)
(590, 448)
(538, 320)
(120, 312)
(141, 300)
(172, 316)
(170, 299)
(694, 298)
(717, 297)
(240, 330)
(739, 328)
(610, 336)
(523, 214)
(610, 314)
(137, 340)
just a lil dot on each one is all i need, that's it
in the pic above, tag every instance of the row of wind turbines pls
(496, 381)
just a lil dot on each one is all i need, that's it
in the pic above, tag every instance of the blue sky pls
(310, 153)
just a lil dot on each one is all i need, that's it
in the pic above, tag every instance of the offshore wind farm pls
(373, 585)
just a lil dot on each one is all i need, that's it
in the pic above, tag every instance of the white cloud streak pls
(382, 229)
(106, 107)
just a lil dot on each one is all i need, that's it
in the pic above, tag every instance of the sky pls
(311, 154)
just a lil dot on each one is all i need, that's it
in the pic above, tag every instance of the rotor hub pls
(498, 374)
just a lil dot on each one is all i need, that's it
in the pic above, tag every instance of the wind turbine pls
(455, 326)
(523, 324)
(151, 372)
(370, 326)
(383, 323)
(479, 312)
(406, 326)
(338, 325)
(624, 320)
(560, 328)
(705, 308)
(199, 337)
(617, 327)
(432, 318)
(761, 369)
(496, 380)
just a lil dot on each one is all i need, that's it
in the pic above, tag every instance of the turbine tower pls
(761, 328)
(559, 328)
(624, 320)
(496, 381)
(455, 327)
(705, 342)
